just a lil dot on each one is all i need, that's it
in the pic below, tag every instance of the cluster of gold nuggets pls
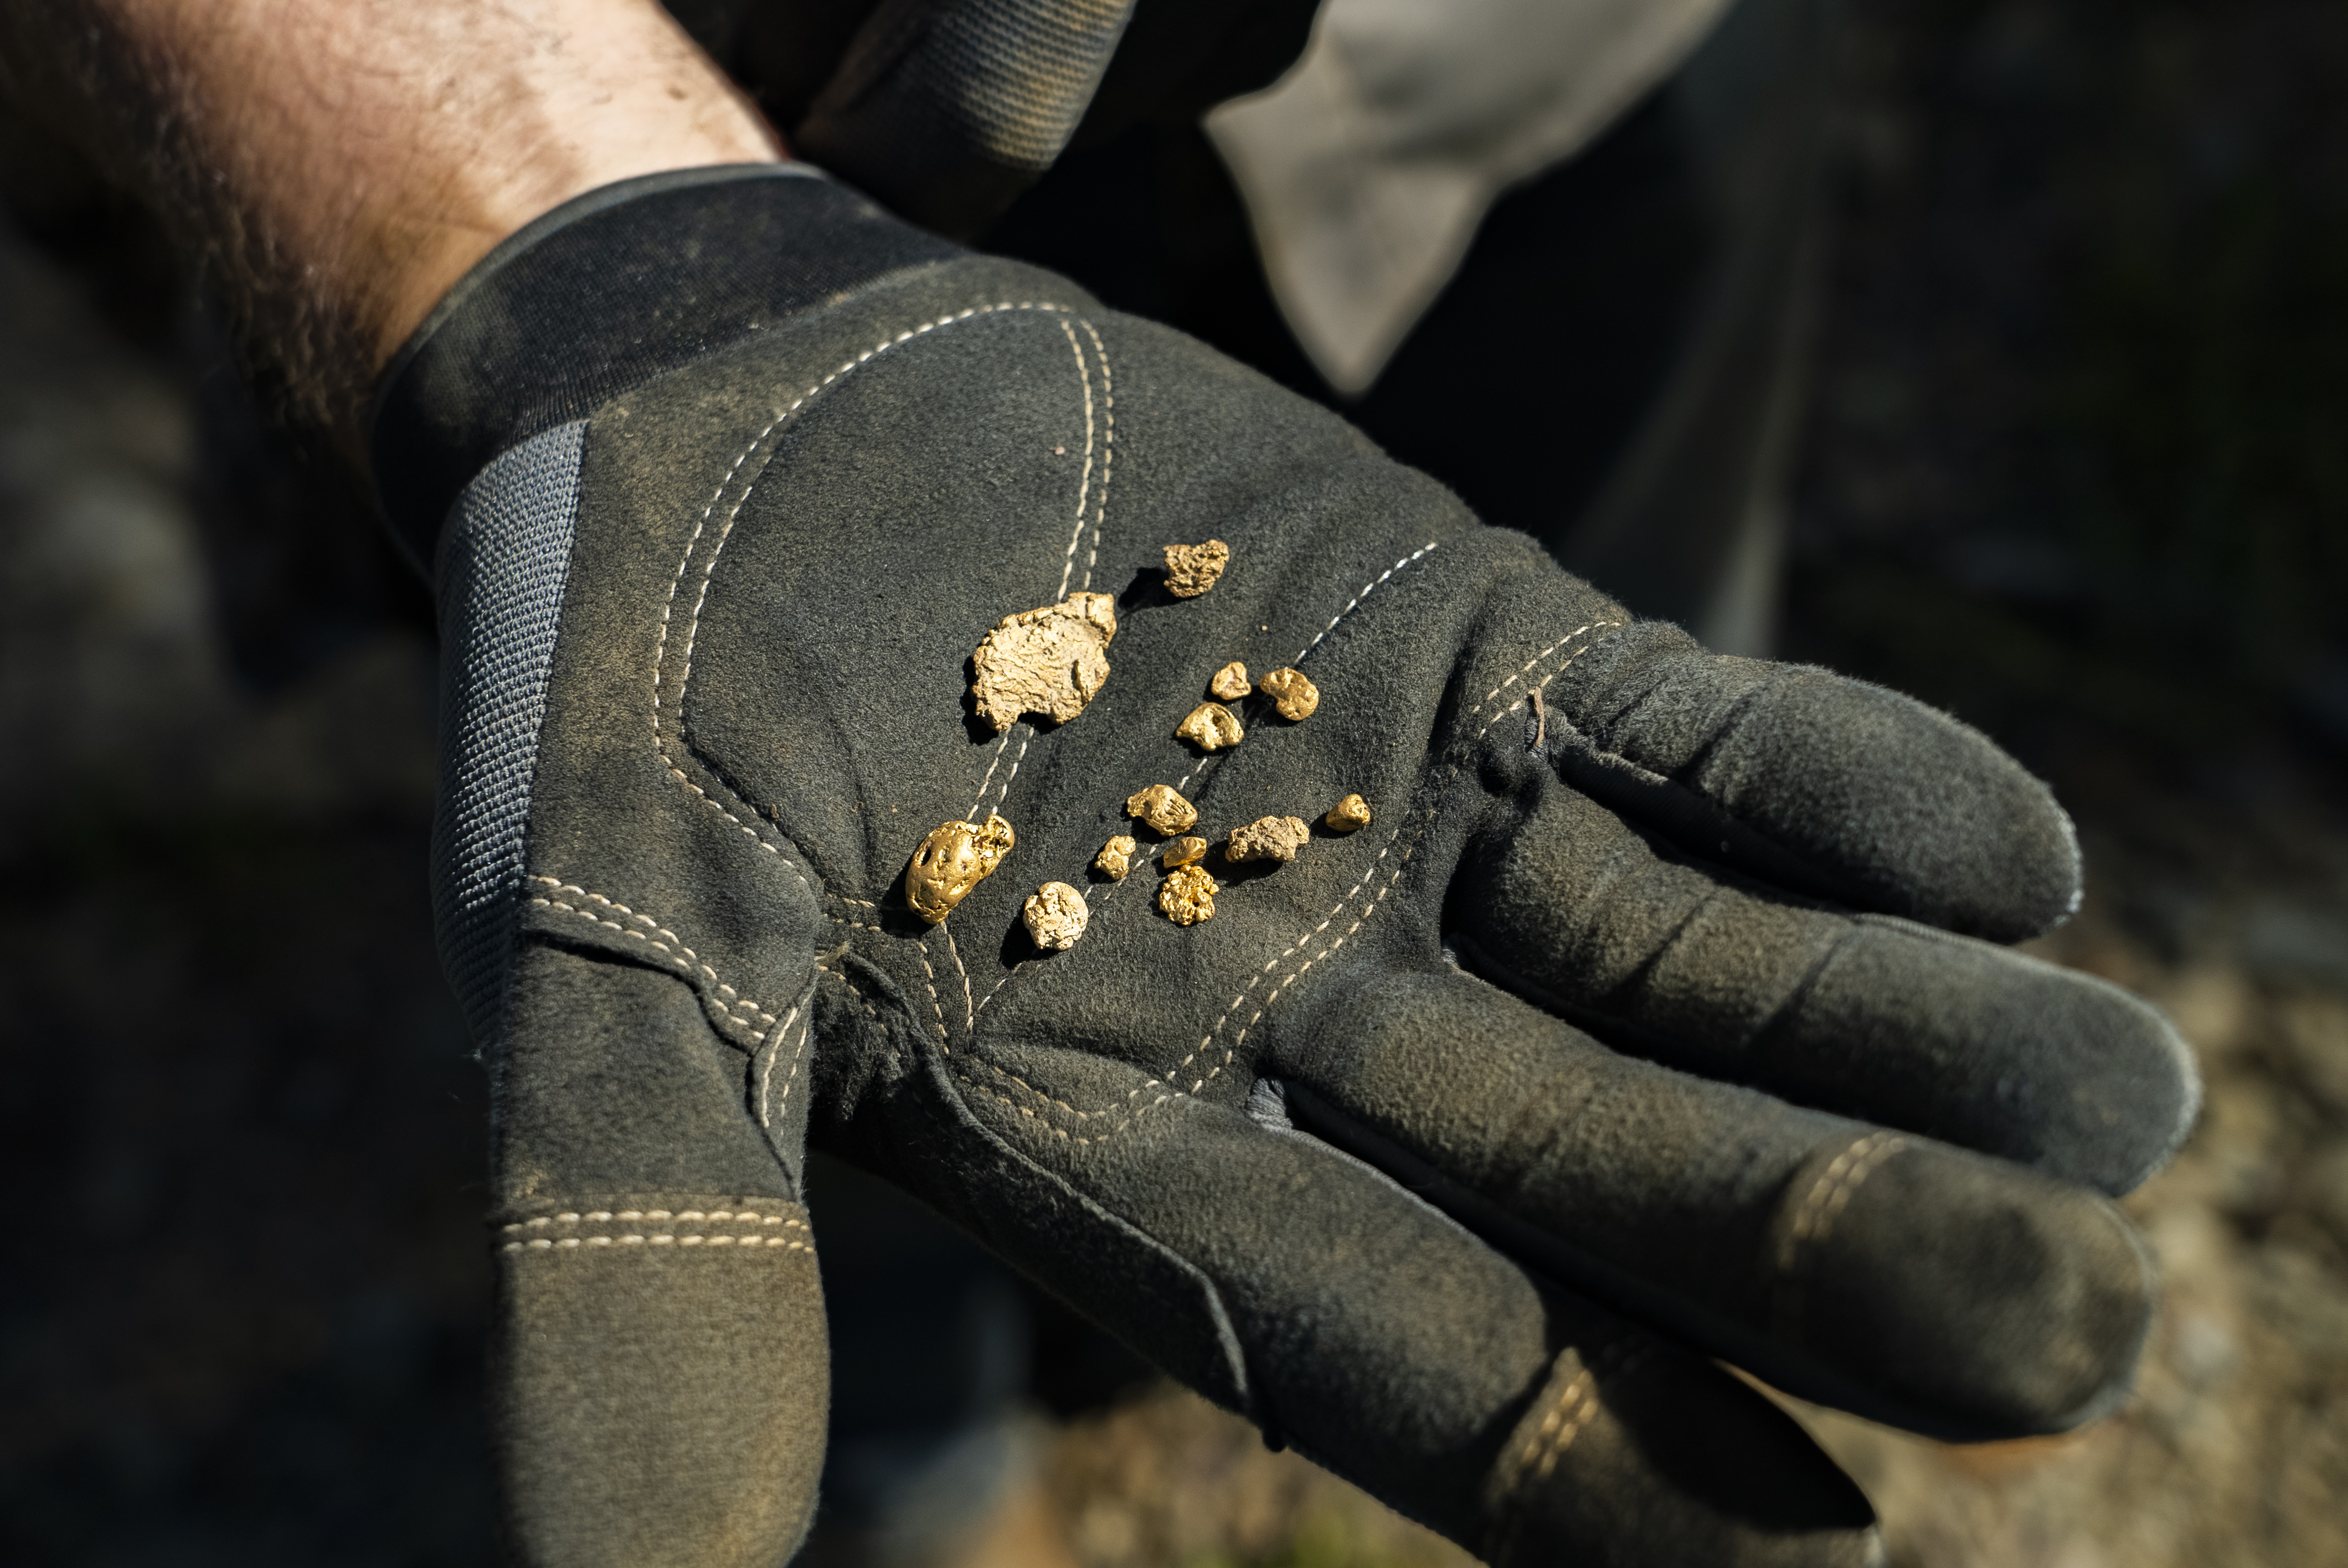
(1052, 662)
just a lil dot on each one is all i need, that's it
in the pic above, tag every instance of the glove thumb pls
(659, 1373)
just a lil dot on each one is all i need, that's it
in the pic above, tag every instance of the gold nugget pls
(1188, 896)
(1295, 695)
(1192, 570)
(1164, 811)
(1185, 852)
(1056, 916)
(1268, 838)
(1348, 813)
(1210, 727)
(1231, 682)
(1116, 858)
(1047, 660)
(954, 858)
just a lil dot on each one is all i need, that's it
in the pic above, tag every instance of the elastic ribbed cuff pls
(603, 293)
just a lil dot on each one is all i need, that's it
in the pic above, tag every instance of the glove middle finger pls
(1870, 1016)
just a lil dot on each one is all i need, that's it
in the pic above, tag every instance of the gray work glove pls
(1656, 1021)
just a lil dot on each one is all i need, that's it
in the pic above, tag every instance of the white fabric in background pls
(1368, 168)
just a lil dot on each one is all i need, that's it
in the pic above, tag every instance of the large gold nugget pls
(1192, 570)
(1210, 727)
(1164, 811)
(1348, 813)
(1116, 858)
(1295, 695)
(1056, 916)
(1231, 682)
(1188, 896)
(1047, 660)
(1268, 838)
(954, 858)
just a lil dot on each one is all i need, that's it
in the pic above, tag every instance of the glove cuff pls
(605, 292)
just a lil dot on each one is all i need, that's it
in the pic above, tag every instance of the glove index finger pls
(1817, 782)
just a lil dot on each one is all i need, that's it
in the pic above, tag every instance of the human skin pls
(340, 163)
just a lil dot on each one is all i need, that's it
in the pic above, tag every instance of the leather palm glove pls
(1655, 1019)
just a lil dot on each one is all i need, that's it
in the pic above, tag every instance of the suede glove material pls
(1655, 1018)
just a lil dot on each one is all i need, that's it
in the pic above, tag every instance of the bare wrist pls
(339, 164)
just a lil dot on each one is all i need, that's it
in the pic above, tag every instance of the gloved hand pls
(1653, 1020)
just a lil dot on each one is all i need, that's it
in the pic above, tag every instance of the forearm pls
(337, 164)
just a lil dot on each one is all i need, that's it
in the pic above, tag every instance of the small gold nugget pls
(1116, 858)
(1268, 838)
(1056, 916)
(1164, 811)
(954, 858)
(1348, 813)
(1185, 852)
(1210, 727)
(1295, 696)
(1192, 570)
(1047, 660)
(1188, 896)
(1231, 682)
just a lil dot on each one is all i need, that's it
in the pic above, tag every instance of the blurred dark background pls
(2075, 467)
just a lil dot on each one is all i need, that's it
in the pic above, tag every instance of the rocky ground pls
(2073, 472)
